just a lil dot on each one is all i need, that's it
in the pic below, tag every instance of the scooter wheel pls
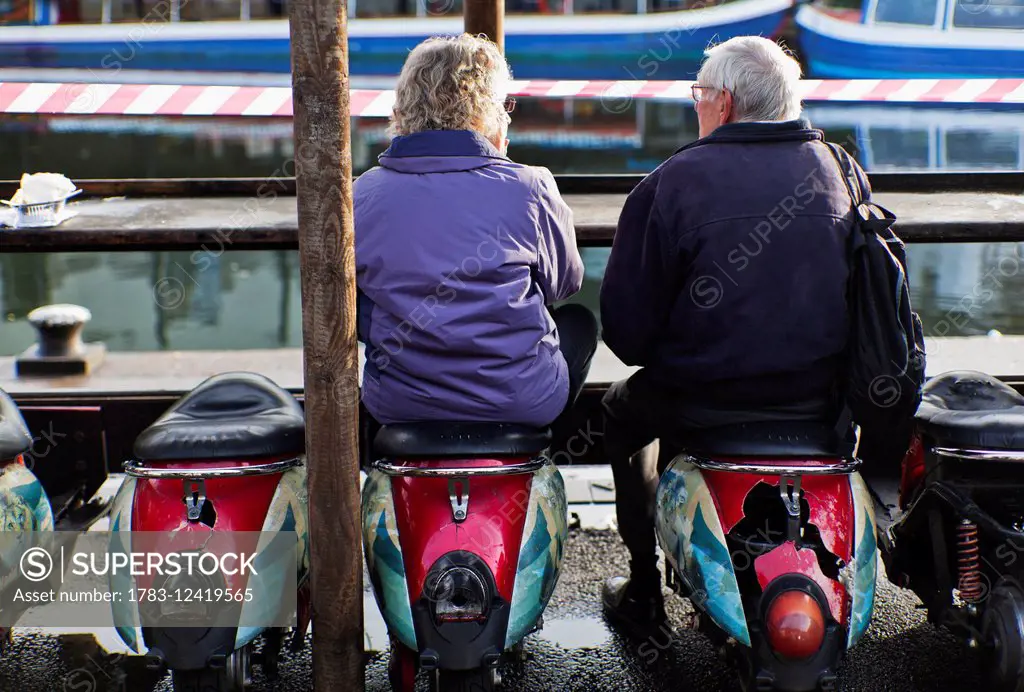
(1003, 630)
(272, 641)
(402, 667)
(234, 677)
(197, 681)
(485, 680)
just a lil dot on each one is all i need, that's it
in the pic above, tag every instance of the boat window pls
(983, 150)
(372, 9)
(898, 149)
(989, 14)
(604, 6)
(920, 12)
(535, 7)
(15, 11)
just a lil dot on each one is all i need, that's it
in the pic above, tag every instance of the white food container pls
(41, 214)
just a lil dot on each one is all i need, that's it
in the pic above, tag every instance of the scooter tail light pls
(795, 625)
(186, 597)
(459, 594)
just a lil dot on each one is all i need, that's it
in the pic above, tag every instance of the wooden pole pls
(323, 171)
(486, 17)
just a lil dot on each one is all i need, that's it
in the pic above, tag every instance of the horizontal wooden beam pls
(1011, 182)
(269, 222)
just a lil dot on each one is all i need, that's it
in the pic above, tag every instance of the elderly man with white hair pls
(726, 284)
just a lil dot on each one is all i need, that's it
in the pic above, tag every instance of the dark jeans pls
(577, 340)
(642, 409)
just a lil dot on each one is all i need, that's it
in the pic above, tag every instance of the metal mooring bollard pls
(59, 350)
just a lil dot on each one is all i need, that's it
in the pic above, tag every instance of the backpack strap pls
(842, 427)
(849, 174)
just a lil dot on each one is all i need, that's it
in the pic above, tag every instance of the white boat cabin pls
(946, 15)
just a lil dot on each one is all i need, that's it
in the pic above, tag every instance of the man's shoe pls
(640, 612)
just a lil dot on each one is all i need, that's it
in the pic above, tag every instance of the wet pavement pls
(574, 652)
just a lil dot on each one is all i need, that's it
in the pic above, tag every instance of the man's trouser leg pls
(631, 417)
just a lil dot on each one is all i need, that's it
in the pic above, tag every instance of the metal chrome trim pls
(458, 494)
(138, 469)
(195, 498)
(391, 469)
(841, 467)
(980, 454)
(789, 488)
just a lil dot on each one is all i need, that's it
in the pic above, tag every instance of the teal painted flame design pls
(283, 551)
(537, 545)
(385, 551)
(274, 572)
(540, 555)
(125, 612)
(715, 578)
(691, 535)
(24, 505)
(24, 515)
(863, 587)
(384, 558)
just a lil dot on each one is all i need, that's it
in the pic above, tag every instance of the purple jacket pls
(458, 252)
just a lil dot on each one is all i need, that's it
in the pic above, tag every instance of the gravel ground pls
(574, 652)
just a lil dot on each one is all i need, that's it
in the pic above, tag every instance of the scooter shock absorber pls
(968, 557)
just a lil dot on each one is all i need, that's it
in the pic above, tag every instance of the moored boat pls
(645, 45)
(923, 39)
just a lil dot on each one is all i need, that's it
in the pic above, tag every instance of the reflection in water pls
(568, 136)
(251, 299)
(159, 301)
(229, 300)
(577, 633)
(910, 138)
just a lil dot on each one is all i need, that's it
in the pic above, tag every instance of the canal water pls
(243, 299)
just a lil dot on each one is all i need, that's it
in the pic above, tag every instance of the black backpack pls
(885, 358)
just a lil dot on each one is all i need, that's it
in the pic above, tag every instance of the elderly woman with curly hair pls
(460, 254)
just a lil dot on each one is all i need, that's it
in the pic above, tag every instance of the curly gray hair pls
(452, 83)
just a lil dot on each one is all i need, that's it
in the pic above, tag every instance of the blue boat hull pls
(674, 54)
(832, 57)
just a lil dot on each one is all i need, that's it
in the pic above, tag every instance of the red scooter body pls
(830, 511)
(777, 549)
(221, 468)
(427, 530)
(464, 527)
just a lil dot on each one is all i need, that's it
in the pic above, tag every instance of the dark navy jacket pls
(728, 272)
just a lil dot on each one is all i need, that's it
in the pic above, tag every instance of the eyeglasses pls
(698, 92)
(510, 104)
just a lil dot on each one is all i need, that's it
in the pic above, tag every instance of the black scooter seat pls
(235, 415)
(15, 438)
(966, 409)
(768, 440)
(433, 439)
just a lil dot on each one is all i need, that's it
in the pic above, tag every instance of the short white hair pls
(452, 83)
(763, 78)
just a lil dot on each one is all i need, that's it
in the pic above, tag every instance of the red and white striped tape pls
(174, 100)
